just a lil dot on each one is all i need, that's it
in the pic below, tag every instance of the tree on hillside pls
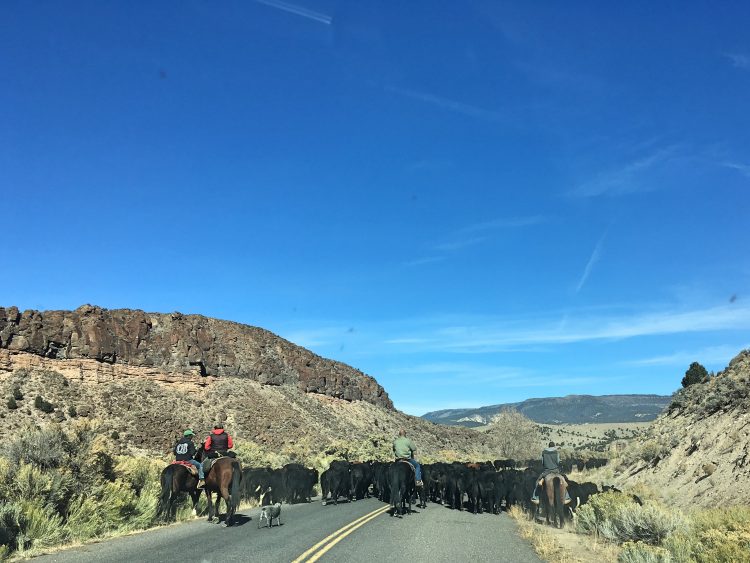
(696, 373)
(516, 435)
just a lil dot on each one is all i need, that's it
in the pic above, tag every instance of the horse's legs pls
(209, 500)
(195, 495)
(224, 494)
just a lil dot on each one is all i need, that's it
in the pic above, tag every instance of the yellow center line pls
(342, 536)
(338, 535)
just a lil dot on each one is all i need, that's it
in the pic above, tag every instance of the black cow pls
(500, 464)
(298, 482)
(360, 475)
(581, 492)
(335, 482)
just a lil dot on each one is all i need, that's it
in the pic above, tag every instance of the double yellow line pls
(319, 549)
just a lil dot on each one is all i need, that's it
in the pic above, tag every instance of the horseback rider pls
(218, 443)
(550, 464)
(404, 448)
(184, 450)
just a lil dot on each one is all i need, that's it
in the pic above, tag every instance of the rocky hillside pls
(571, 409)
(143, 378)
(698, 452)
(182, 344)
(145, 410)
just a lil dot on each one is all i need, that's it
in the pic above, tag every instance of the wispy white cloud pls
(739, 60)
(593, 259)
(625, 179)
(498, 335)
(459, 243)
(316, 337)
(450, 105)
(743, 169)
(505, 223)
(297, 10)
(711, 355)
(478, 233)
(425, 260)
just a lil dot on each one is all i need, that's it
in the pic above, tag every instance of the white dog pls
(269, 513)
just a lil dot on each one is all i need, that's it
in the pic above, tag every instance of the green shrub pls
(72, 411)
(618, 519)
(649, 523)
(638, 552)
(42, 405)
(716, 535)
(17, 393)
(28, 526)
(48, 488)
(12, 405)
(44, 448)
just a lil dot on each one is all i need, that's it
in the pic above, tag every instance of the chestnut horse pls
(224, 479)
(553, 498)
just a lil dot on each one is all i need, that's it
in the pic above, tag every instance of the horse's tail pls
(236, 482)
(167, 476)
(559, 507)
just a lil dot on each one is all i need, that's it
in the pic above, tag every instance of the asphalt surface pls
(433, 534)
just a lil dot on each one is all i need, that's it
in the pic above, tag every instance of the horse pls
(224, 479)
(553, 498)
(176, 479)
(401, 483)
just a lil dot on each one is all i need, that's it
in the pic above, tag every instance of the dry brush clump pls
(654, 533)
(516, 435)
(57, 487)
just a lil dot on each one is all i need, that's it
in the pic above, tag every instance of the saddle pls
(209, 461)
(189, 466)
(407, 462)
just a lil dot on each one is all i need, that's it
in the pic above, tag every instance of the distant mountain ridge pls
(571, 409)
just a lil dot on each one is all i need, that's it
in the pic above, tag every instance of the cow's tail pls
(167, 475)
(559, 506)
(236, 485)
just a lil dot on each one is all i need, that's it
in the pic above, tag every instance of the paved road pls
(360, 531)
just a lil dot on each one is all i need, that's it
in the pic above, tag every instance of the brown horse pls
(224, 479)
(176, 479)
(553, 498)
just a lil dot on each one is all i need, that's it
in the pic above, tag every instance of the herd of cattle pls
(478, 487)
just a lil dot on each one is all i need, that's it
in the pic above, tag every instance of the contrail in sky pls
(297, 10)
(592, 260)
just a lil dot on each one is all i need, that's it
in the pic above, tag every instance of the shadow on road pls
(240, 520)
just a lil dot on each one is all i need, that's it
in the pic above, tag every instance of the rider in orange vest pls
(218, 443)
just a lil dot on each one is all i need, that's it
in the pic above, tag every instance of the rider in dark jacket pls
(184, 450)
(550, 464)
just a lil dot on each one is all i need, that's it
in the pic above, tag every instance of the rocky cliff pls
(182, 345)
(698, 452)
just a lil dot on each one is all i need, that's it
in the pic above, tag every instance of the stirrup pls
(201, 484)
(535, 500)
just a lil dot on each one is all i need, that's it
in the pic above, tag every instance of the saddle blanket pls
(190, 466)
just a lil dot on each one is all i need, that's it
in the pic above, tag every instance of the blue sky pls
(474, 202)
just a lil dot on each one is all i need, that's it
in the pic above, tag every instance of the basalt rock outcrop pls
(175, 343)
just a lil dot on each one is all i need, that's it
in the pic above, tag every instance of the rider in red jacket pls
(218, 442)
